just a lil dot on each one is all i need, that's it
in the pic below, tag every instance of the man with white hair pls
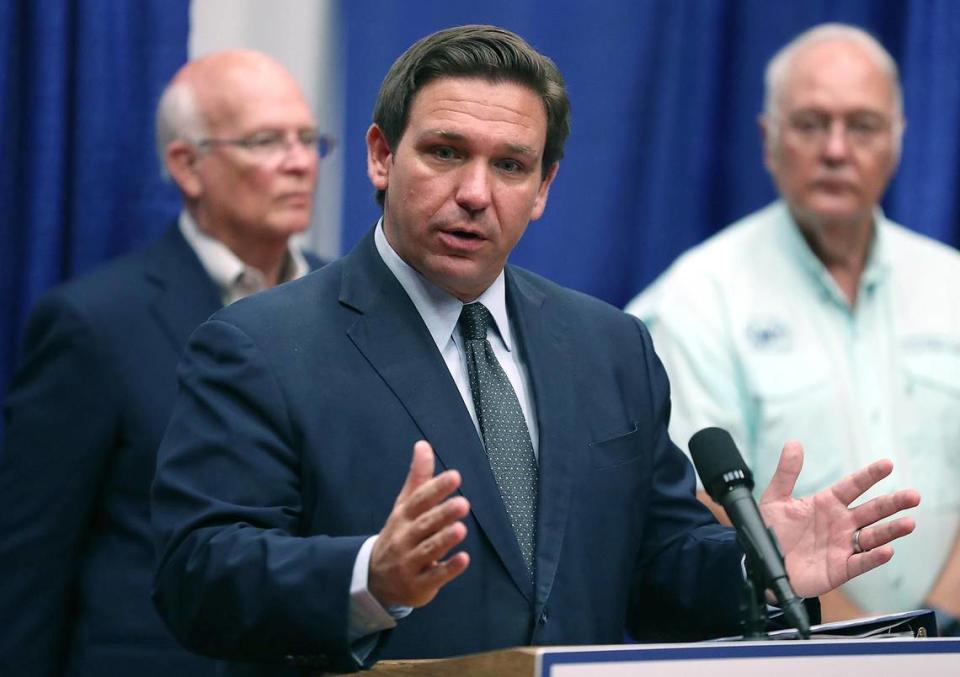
(819, 318)
(89, 403)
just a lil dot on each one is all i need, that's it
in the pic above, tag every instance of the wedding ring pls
(857, 548)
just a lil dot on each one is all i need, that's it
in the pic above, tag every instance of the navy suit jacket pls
(84, 416)
(292, 436)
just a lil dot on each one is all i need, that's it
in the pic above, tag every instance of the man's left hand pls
(816, 533)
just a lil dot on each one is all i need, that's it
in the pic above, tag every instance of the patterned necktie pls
(503, 427)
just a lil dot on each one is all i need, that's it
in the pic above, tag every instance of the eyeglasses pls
(862, 129)
(272, 145)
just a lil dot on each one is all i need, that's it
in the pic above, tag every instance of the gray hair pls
(778, 67)
(178, 118)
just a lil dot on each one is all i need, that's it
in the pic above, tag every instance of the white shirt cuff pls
(367, 615)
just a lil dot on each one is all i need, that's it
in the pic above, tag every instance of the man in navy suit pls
(293, 527)
(92, 396)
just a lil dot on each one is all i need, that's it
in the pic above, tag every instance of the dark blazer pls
(84, 416)
(292, 436)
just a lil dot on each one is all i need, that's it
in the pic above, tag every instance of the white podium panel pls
(781, 658)
(815, 658)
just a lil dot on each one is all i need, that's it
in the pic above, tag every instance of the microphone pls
(729, 482)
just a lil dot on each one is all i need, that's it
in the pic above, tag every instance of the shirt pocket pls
(930, 421)
(933, 374)
(795, 397)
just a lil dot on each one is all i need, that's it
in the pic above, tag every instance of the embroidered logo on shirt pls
(769, 334)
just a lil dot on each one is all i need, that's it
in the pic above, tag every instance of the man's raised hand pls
(407, 566)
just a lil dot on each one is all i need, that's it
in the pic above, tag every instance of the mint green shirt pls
(758, 339)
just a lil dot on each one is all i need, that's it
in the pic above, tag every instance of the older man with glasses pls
(87, 409)
(819, 318)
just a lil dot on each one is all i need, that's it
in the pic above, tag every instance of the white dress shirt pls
(757, 338)
(234, 278)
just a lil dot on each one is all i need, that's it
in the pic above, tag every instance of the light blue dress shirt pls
(440, 312)
(758, 339)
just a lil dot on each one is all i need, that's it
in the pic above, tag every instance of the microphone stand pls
(753, 605)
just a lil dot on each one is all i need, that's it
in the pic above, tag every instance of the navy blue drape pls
(79, 181)
(665, 147)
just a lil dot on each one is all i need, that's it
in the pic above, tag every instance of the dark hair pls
(481, 51)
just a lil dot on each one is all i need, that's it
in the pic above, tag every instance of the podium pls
(930, 657)
(896, 644)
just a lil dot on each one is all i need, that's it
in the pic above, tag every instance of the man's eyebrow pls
(521, 149)
(279, 129)
(443, 134)
(515, 148)
(819, 110)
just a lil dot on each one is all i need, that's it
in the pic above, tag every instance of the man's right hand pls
(406, 568)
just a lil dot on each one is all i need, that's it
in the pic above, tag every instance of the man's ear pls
(181, 161)
(379, 158)
(766, 139)
(540, 203)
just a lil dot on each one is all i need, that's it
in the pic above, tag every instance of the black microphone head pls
(718, 463)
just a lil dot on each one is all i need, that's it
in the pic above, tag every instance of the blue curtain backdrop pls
(79, 182)
(664, 151)
(665, 147)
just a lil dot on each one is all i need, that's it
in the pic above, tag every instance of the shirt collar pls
(233, 277)
(439, 309)
(877, 265)
(878, 261)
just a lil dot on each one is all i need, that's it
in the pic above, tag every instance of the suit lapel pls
(393, 338)
(544, 338)
(185, 294)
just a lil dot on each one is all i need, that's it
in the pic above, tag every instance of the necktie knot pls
(474, 321)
